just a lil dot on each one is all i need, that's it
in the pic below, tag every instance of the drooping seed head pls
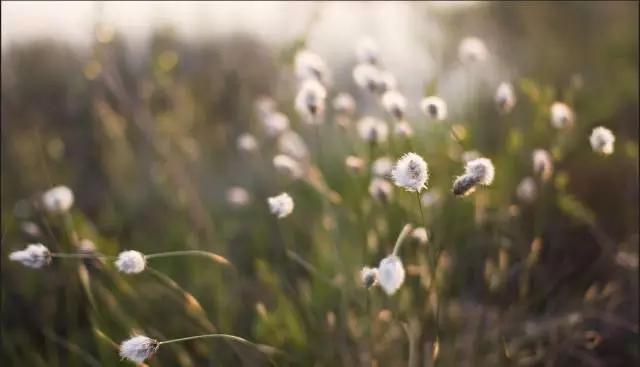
(482, 169)
(505, 98)
(247, 143)
(381, 190)
(33, 256)
(238, 197)
(602, 140)
(58, 199)
(287, 166)
(391, 274)
(344, 104)
(410, 172)
(367, 51)
(434, 107)
(138, 348)
(472, 49)
(131, 262)
(562, 116)
(369, 276)
(372, 130)
(542, 164)
(281, 205)
(394, 103)
(464, 185)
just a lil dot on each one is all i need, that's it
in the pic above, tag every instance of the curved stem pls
(210, 255)
(405, 231)
(261, 348)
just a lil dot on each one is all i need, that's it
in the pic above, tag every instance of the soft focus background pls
(137, 106)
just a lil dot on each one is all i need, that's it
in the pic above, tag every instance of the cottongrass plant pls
(310, 101)
(471, 50)
(57, 200)
(434, 107)
(367, 51)
(505, 98)
(390, 273)
(602, 140)
(478, 171)
(281, 205)
(394, 104)
(542, 164)
(247, 143)
(372, 130)
(562, 116)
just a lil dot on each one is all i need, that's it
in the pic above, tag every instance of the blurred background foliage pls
(147, 142)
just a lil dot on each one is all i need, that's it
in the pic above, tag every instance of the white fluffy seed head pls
(238, 197)
(372, 130)
(527, 190)
(420, 235)
(482, 169)
(410, 172)
(58, 199)
(309, 65)
(366, 76)
(367, 51)
(344, 104)
(403, 129)
(382, 167)
(33, 256)
(472, 49)
(369, 276)
(505, 98)
(354, 164)
(310, 101)
(291, 144)
(275, 124)
(464, 185)
(138, 348)
(381, 190)
(386, 81)
(247, 143)
(561, 115)
(602, 140)
(394, 103)
(281, 205)
(287, 166)
(131, 262)
(391, 274)
(434, 107)
(542, 164)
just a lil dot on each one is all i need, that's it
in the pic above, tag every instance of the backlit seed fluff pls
(386, 81)
(138, 348)
(391, 274)
(472, 49)
(344, 104)
(354, 164)
(247, 143)
(561, 115)
(275, 124)
(464, 185)
(366, 76)
(434, 107)
(367, 51)
(410, 172)
(280, 205)
(505, 98)
(291, 144)
(131, 262)
(369, 276)
(394, 103)
(403, 129)
(34, 256)
(310, 65)
(310, 101)
(542, 164)
(482, 169)
(527, 190)
(238, 197)
(381, 190)
(58, 199)
(382, 167)
(372, 130)
(602, 140)
(287, 166)
(264, 106)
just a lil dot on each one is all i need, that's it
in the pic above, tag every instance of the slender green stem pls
(405, 231)
(221, 336)
(81, 256)
(182, 253)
